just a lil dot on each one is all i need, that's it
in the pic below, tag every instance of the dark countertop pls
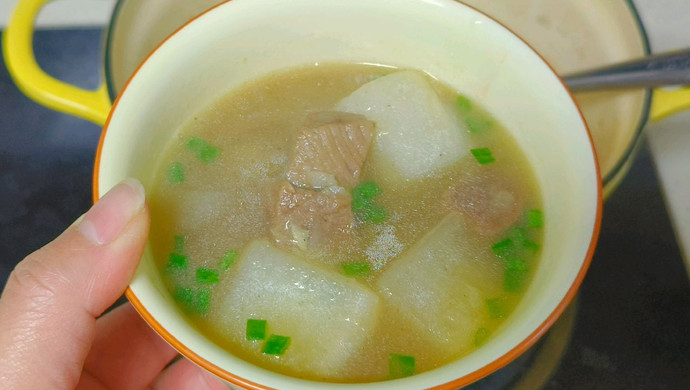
(631, 318)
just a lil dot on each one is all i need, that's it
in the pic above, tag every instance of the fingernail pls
(106, 219)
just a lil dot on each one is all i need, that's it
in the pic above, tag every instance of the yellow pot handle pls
(17, 48)
(668, 102)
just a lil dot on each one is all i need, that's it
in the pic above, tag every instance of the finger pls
(184, 375)
(51, 299)
(126, 353)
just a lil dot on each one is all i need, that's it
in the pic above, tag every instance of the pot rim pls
(610, 179)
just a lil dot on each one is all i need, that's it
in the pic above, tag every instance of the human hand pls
(51, 336)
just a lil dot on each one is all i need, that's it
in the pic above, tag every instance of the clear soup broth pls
(346, 223)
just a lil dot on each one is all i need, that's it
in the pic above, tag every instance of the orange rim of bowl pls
(474, 376)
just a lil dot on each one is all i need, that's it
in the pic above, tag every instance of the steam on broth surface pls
(346, 223)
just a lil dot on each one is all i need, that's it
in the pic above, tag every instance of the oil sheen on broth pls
(346, 223)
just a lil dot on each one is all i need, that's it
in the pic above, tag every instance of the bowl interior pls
(244, 39)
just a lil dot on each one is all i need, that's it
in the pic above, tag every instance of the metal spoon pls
(672, 68)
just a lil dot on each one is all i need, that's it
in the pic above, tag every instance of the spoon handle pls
(671, 68)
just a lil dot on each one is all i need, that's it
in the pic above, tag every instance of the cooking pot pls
(572, 35)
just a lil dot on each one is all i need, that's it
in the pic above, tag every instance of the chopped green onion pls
(228, 259)
(179, 244)
(534, 219)
(497, 307)
(207, 276)
(177, 261)
(483, 155)
(475, 125)
(202, 149)
(184, 295)
(203, 301)
(514, 279)
(516, 265)
(356, 268)
(375, 214)
(531, 246)
(256, 329)
(400, 366)
(368, 190)
(480, 336)
(463, 104)
(359, 204)
(363, 205)
(503, 248)
(276, 345)
(176, 173)
(516, 245)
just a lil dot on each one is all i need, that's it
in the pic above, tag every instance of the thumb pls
(52, 298)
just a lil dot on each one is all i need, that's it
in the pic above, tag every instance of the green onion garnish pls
(228, 259)
(531, 246)
(480, 336)
(176, 173)
(202, 149)
(184, 295)
(368, 190)
(177, 261)
(475, 125)
(276, 345)
(207, 276)
(202, 301)
(463, 104)
(374, 213)
(483, 155)
(516, 264)
(363, 205)
(534, 219)
(497, 307)
(356, 268)
(503, 248)
(256, 329)
(400, 366)
(179, 244)
(514, 279)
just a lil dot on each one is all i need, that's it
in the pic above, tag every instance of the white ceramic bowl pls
(244, 39)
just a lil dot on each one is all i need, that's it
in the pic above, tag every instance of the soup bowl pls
(241, 40)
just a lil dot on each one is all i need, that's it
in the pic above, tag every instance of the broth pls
(474, 229)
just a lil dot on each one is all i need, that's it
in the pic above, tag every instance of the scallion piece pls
(480, 336)
(503, 248)
(256, 329)
(184, 295)
(483, 155)
(177, 261)
(497, 307)
(202, 301)
(228, 259)
(531, 246)
(367, 190)
(475, 125)
(359, 204)
(276, 345)
(176, 173)
(534, 218)
(514, 279)
(400, 366)
(363, 205)
(374, 213)
(207, 276)
(463, 104)
(202, 149)
(356, 268)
